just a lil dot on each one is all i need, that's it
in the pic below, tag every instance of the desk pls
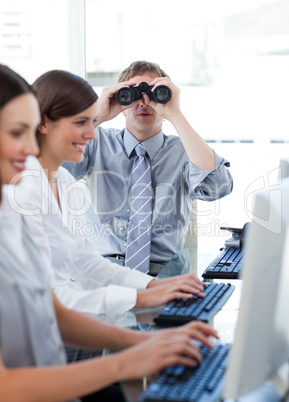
(195, 261)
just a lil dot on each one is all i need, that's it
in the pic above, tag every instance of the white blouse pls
(29, 334)
(82, 279)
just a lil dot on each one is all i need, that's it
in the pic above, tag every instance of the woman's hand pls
(156, 296)
(164, 348)
(195, 285)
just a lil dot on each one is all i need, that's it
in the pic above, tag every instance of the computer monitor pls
(261, 343)
(283, 168)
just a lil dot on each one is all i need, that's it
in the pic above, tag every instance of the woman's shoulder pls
(64, 176)
(33, 172)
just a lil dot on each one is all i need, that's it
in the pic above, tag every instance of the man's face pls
(142, 121)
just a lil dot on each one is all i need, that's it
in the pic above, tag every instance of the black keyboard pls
(180, 383)
(181, 311)
(227, 265)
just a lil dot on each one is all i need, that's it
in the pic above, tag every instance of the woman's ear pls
(43, 126)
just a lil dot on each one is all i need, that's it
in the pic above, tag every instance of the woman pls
(82, 278)
(33, 323)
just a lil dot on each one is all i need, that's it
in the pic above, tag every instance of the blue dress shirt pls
(175, 180)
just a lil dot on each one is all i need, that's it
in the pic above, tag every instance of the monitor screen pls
(261, 343)
(283, 168)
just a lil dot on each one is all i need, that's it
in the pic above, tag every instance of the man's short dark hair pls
(141, 67)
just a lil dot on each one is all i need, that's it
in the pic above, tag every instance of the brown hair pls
(141, 67)
(12, 85)
(62, 94)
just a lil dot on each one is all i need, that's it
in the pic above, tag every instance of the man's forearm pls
(198, 151)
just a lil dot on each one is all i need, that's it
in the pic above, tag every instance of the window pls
(37, 36)
(230, 59)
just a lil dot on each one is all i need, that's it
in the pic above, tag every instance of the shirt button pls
(121, 228)
(124, 244)
(128, 210)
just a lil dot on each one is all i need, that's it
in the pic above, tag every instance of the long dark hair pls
(12, 85)
(62, 94)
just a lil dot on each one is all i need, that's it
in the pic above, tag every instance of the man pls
(182, 168)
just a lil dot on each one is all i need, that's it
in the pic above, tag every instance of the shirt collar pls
(152, 145)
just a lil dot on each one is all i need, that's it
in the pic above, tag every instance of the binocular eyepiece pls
(126, 95)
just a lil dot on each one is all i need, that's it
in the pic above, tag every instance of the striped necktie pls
(140, 223)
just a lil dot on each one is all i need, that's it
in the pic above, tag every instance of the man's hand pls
(169, 109)
(107, 105)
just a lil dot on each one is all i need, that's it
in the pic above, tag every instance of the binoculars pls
(126, 95)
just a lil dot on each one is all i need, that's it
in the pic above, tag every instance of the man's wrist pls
(175, 117)
(100, 120)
